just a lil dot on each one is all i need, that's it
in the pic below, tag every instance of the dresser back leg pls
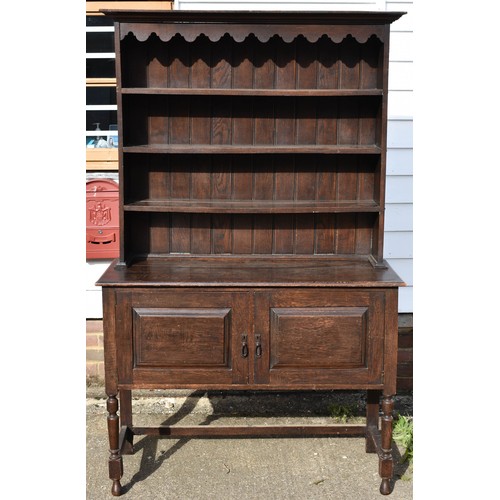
(126, 420)
(372, 417)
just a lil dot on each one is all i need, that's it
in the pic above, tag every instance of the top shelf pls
(252, 92)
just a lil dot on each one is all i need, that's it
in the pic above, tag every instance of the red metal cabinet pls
(102, 235)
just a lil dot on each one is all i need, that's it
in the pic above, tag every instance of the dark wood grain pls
(386, 462)
(372, 419)
(268, 271)
(180, 338)
(126, 417)
(336, 337)
(161, 228)
(252, 184)
(200, 432)
(202, 337)
(236, 91)
(259, 149)
(302, 19)
(115, 462)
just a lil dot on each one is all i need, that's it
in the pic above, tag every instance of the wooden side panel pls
(391, 341)
(110, 335)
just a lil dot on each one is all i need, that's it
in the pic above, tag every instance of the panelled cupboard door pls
(325, 338)
(169, 338)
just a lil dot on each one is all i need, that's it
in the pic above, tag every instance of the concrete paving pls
(244, 469)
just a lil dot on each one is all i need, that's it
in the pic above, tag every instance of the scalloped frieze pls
(239, 32)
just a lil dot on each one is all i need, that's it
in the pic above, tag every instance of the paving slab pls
(240, 468)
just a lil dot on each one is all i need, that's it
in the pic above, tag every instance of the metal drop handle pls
(244, 346)
(258, 347)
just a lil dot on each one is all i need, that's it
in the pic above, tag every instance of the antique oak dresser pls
(252, 186)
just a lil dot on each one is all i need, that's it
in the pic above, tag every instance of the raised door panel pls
(182, 337)
(201, 336)
(320, 338)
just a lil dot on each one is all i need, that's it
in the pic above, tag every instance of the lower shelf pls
(252, 206)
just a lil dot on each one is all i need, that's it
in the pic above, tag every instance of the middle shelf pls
(244, 92)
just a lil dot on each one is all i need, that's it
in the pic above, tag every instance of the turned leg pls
(115, 460)
(372, 414)
(126, 420)
(386, 465)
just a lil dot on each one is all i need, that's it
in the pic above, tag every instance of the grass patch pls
(402, 433)
(93, 380)
(341, 412)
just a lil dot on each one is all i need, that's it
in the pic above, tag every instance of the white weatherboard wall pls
(316, 5)
(398, 241)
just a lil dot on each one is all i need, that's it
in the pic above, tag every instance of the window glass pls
(100, 42)
(101, 130)
(95, 21)
(101, 68)
(101, 125)
(101, 95)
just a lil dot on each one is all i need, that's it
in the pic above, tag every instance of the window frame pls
(107, 158)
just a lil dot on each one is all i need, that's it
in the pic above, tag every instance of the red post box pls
(103, 230)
